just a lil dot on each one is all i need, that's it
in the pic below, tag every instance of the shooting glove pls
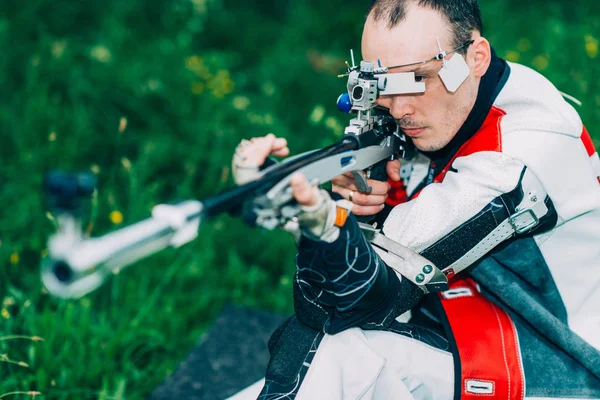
(321, 221)
(317, 222)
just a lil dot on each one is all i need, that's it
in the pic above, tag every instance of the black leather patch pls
(461, 240)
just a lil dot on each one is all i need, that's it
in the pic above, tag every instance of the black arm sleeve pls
(344, 284)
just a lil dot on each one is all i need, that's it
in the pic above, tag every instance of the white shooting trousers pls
(372, 365)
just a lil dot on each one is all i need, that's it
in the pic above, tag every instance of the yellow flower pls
(193, 63)
(14, 258)
(116, 217)
(58, 48)
(199, 6)
(154, 84)
(8, 301)
(122, 124)
(228, 86)
(512, 56)
(334, 125)
(591, 46)
(5, 313)
(126, 163)
(221, 84)
(241, 102)
(317, 114)
(268, 88)
(52, 136)
(197, 88)
(254, 118)
(197, 66)
(101, 53)
(540, 62)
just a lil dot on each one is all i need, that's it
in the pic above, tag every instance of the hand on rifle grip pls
(366, 204)
(251, 154)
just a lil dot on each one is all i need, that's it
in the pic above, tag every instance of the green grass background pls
(189, 79)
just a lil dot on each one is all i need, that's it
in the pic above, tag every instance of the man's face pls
(432, 118)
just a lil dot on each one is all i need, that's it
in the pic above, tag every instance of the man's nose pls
(399, 106)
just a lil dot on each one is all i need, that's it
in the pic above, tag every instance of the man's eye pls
(420, 78)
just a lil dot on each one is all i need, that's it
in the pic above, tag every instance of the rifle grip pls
(378, 173)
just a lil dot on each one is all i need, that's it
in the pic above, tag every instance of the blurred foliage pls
(152, 97)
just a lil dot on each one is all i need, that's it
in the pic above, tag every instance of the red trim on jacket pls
(487, 138)
(589, 146)
(487, 344)
(587, 142)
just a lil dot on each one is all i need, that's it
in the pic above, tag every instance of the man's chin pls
(425, 145)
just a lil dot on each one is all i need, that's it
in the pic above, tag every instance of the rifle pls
(77, 265)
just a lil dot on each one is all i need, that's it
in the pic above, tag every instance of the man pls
(507, 183)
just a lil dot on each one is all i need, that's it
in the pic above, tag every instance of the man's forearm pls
(343, 284)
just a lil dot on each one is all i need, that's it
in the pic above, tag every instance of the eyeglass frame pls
(437, 57)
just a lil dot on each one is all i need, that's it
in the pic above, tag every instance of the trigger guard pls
(361, 182)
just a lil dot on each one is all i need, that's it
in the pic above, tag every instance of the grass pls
(152, 97)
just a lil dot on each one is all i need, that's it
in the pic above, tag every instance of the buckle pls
(513, 220)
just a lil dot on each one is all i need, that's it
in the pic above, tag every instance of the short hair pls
(464, 16)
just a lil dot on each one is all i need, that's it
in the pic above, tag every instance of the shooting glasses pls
(453, 72)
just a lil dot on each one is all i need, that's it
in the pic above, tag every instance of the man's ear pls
(480, 54)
